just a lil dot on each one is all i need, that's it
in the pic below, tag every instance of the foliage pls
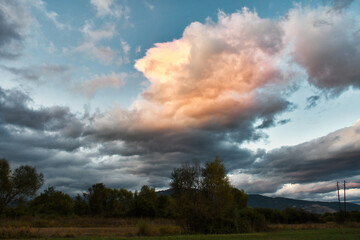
(81, 208)
(207, 202)
(16, 185)
(105, 201)
(145, 202)
(53, 202)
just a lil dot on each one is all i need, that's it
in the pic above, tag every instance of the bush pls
(250, 220)
(21, 232)
(144, 228)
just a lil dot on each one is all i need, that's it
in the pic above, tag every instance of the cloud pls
(110, 8)
(150, 6)
(90, 87)
(312, 101)
(39, 73)
(15, 20)
(92, 45)
(124, 59)
(325, 43)
(104, 54)
(106, 32)
(51, 15)
(207, 92)
(15, 110)
(308, 170)
(211, 76)
(340, 5)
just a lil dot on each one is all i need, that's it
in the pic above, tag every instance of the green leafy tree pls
(241, 199)
(185, 181)
(207, 202)
(52, 202)
(97, 197)
(118, 202)
(217, 195)
(145, 202)
(81, 207)
(19, 184)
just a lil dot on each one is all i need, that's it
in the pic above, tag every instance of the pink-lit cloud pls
(217, 75)
(325, 43)
(90, 87)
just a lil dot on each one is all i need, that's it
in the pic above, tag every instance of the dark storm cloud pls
(15, 110)
(335, 156)
(155, 152)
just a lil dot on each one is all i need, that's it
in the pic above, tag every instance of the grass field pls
(318, 234)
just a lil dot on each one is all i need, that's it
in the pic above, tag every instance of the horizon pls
(122, 92)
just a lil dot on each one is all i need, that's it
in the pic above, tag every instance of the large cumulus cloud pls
(209, 92)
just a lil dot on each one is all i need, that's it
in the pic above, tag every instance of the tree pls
(97, 197)
(53, 202)
(81, 207)
(217, 195)
(145, 202)
(241, 199)
(205, 202)
(16, 185)
(185, 180)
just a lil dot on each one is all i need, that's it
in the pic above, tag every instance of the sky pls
(123, 92)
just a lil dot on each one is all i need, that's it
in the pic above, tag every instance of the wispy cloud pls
(92, 45)
(150, 6)
(51, 15)
(110, 8)
(90, 87)
(39, 73)
(105, 33)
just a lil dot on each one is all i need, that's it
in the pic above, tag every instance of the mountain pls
(260, 201)
(256, 201)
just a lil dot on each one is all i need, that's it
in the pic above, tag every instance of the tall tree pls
(206, 202)
(145, 202)
(97, 198)
(217, 194)
(23, 182)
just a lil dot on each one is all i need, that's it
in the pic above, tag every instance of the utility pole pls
(338, 192)
(344, 198)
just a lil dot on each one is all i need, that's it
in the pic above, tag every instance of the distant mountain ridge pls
(260, 201)
(257, 201)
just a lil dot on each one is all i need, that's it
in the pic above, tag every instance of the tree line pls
(201, 200)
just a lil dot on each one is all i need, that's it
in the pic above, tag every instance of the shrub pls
(250, 220)
(144, 228)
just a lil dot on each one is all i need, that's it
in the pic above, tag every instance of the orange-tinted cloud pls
(212, 74)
